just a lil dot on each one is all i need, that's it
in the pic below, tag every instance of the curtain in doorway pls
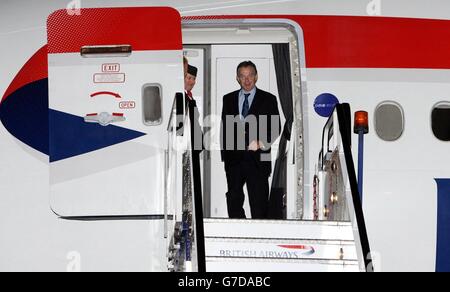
(281, 54)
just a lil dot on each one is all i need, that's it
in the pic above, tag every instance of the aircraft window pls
(440, 121)
(389, 121)
(152, 104)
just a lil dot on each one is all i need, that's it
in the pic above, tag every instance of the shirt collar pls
(252, 92)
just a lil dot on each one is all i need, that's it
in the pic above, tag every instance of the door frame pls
(300, 102)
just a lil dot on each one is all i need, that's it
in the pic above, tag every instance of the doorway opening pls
(276, 49)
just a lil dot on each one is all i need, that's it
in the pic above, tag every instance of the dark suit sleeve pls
(272, 113)
(223, 130)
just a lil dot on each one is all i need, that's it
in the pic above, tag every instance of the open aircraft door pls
(113, 76)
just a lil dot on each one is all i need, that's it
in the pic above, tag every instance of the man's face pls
(247, 78)
(189, 82)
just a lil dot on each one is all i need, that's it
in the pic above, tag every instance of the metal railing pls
(193, 219)
(336, 154)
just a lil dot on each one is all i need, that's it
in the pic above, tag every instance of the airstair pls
(335, 240)
(282, 246)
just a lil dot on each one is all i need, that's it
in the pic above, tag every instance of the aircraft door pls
(113, 76)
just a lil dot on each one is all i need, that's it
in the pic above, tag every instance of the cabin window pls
(152, 104)
(389, 121)
(440, 121)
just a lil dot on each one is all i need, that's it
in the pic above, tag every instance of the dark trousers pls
(247, 172)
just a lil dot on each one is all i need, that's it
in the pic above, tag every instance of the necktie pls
(246, 107)
(189, 93)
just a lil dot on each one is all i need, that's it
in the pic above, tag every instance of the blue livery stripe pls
(443, 235)
(71, 136)
(25, 115)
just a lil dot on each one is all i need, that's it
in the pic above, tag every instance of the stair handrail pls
(341, 115)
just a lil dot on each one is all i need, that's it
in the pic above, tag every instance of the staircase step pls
(284, 246)
(280, 249)
(220, 264)
(282, 229)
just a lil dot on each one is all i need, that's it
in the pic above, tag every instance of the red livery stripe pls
(34, 69)
(116, 95)
(151, 28)
(369, 42)
(330, 41)
(295, 246)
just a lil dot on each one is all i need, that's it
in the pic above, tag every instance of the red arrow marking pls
(116, 95)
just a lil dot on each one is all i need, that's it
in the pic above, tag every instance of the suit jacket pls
(196, 129)
(263, 105)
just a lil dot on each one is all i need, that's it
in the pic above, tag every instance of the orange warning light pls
(361, 122)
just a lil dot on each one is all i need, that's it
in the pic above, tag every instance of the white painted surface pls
(400, 200)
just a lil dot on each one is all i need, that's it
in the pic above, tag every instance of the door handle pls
(104, 118)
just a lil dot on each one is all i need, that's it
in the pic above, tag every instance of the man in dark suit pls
(250, 125)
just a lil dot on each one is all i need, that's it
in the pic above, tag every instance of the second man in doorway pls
(190, 79)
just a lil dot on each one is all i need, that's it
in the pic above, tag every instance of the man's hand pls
(255, 146)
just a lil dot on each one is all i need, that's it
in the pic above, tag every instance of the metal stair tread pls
(284, 229)
(281, 240)
(276, 222)
(284, 260)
